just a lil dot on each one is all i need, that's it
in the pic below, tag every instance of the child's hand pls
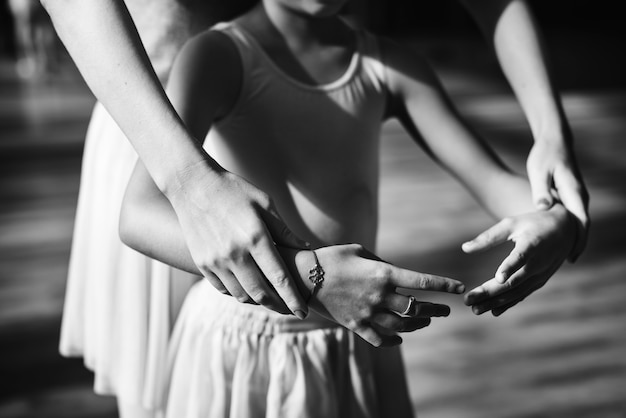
(542, 240)
(359, 293)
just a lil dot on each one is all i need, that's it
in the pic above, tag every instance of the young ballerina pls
(292, 99)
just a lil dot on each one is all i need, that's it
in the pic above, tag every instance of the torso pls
(313, 148)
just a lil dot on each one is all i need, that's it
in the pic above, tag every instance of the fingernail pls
(501, 277)
(460, 288)
(300, 314)
(476, 310)
(543, 203)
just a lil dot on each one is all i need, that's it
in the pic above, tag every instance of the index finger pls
(273, 268)
(410, 279)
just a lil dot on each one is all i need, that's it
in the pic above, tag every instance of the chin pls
(325, 8)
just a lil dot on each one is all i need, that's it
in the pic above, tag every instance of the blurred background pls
(561, 353)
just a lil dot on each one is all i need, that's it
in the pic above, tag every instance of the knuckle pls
(507, 222)
(357, 249)
(206, 267)
(484, 237)
(354, 325)
(279, 280)
(425, 282)
(241, 297)
(263, 200)
(376, 298)
(230, 253)
(367, 312)
(418, 309)
(262, 298)
(382, 273)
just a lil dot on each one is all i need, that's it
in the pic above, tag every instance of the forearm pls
(157, 234)
(153, 229)
(518, 44)
(505, 194)
(103, 42)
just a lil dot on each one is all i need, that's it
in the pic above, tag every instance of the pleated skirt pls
(227, 359)
(119, 305)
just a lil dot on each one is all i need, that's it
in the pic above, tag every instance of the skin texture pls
(121, 77)
(510, 27)
(187, 175)
(417, 99)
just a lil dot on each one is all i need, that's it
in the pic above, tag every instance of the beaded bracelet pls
(316, 276)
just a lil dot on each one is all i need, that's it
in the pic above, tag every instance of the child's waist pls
(224, 311)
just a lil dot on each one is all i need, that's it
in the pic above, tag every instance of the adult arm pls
(510, 27)
(103, 41)
(359, 291)
(542, 239)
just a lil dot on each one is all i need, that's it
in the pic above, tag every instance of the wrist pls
(192, 179)
(306, 261)
(557, 133)
(569, 222)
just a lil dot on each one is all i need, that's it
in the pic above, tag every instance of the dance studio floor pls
(562, 353)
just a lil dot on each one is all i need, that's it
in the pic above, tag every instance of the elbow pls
(127, 227)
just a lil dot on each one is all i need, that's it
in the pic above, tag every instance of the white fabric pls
(114, 316)
(233, 360)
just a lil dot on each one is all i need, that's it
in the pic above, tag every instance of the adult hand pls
(551, 165)
(231, 228)
(360, 293)
(542, 240)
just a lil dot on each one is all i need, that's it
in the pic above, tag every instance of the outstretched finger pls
(215, 282)
(405, 306)
(493, 236)
(409, 279)
(492, 288)
(273, 268)
(232, 286)
(396, 323)
(508, 299)
(378, 339)
(259, 290)
(512, 263)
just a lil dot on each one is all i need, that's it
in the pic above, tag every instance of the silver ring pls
(410, 306)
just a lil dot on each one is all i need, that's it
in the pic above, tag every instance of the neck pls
(301, 30)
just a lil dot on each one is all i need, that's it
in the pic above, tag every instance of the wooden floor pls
(562, 353)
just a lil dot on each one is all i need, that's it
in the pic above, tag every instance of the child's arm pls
(359, 291)
(510, 27)
(104, 44)
(418, 100)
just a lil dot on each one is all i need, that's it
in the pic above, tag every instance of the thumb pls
(280, 232)
(493, 236)
(541, 184)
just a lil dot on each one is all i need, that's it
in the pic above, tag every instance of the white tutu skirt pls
(232, 360)
(119, 305)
